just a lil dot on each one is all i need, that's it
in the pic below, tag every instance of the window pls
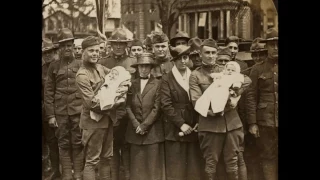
(50, 25)
(59, 24)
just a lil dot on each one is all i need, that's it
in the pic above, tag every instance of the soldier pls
(148, 44)
(160, 48)
(217, 134)
(49, 132)
(262, 107)
(63, 106)
(103, 50)
(77, 49)
(195, 43)
(118, 57)
(258, 51)
(97, 136)
(232, 43)
(181, 38)
(136, 48)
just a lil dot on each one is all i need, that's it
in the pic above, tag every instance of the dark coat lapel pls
(136, 85)
(149, 86)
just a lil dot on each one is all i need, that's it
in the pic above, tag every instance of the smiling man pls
(63, 105)
(97, 136)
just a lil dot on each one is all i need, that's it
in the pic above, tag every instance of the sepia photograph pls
(159, 89)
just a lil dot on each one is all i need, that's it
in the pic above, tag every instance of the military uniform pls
(262, 108)
(218, 133)
(48, 132)
(121, 122)
(63, 102)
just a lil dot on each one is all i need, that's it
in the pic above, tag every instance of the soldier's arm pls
(49, 92)
(167, 104)
(195, 90)
(251, 97)
(245, 85)
(89, 100)
(152, 117)
(131, 116)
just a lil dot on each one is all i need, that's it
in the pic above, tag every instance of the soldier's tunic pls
(262, 106)
(217, 134)
(62, 100)
(97, 136)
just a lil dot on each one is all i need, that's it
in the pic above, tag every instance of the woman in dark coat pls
(145, 130)
(183, 156)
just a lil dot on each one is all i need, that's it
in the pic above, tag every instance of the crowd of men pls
(156, 134)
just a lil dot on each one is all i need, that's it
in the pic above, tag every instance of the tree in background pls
(169, 11)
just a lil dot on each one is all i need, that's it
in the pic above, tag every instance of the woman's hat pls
(144, 58)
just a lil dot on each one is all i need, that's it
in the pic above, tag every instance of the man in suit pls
(217, 133)
(145, 129)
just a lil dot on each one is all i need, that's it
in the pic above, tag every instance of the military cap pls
(136, 42)
(257, 46)
(195, 43)
(64, 35)
(90, 41)
(178, 51)
(145, 58)
(230, 39)
(179, 35)
(224, 51)
(158, 37)
(209, 42)
(77, 42)
(272, 35)
(47, 45)
(119, 35)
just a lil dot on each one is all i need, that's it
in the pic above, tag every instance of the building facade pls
(215, 19)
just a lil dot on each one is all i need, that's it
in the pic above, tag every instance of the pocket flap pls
(58, 96)
(262, 105)
(61, 71)
(266, 76)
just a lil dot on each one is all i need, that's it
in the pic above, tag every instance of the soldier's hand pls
(254, 130)
(53, 122)
(186, 129)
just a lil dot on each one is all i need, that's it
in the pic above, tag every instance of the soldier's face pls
(136, 50)
(160, 49)
(48, 56)
(234, 49)
(119, 48)
(195, 59)
(272, 47)
(77, 51)
(67, 49)
(91, 54)
(144, 69)
(102, 49)
(209, 54)
(223, 59)
(181, 42)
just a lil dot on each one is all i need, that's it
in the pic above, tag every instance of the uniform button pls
(275, 83)
(274, 73)
(69, 69)
(276, 102)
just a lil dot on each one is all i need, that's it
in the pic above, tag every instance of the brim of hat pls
(64, 40)
(48, 49)
(187, 51)
(136, 65)
(269, 39)
(175, 38)
(119, 40)
(259, 50)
